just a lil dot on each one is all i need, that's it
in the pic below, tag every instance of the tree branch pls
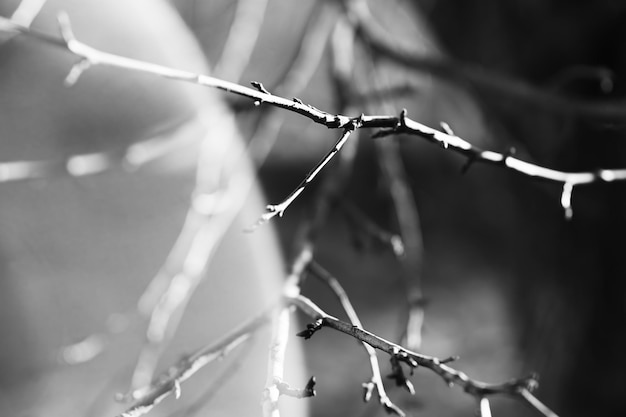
(170, 382)
(520, 388)
(376, 382)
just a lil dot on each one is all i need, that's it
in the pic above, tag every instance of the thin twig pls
(273, 210)
(376, 381)
(520, 388)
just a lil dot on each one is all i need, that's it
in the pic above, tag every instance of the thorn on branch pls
(259, 86)
(309, 389)
(402, 119)
(449, 360)
(297, 100)
(310, 330)
(306, 392)
(566, 200)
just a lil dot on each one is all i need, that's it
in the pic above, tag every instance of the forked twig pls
(389, 124)
(376, 381)
(520, 388)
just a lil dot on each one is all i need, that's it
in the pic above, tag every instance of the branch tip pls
(77, 70)
(65, 26)
(566, 200)
(368, 389)
(446, 128)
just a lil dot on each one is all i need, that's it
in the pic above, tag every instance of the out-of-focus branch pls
(466, 75)
(162, 142)
(362, 224)
(520, 388)
(23, 15)
(170, 382)
(484, 408)
(242, 37)
(301, 69)
(276, 363)
(409, 228)
(275, 386)
(376, 382)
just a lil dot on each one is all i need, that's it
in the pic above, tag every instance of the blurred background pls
(511, 286)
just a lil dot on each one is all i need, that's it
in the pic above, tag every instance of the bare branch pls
(279, 209)
(170, 382)
(521, 387)
(393, 124)
(276, 362)
(376, 381)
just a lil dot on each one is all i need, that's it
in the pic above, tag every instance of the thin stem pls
(273, 210)
(376, 382)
